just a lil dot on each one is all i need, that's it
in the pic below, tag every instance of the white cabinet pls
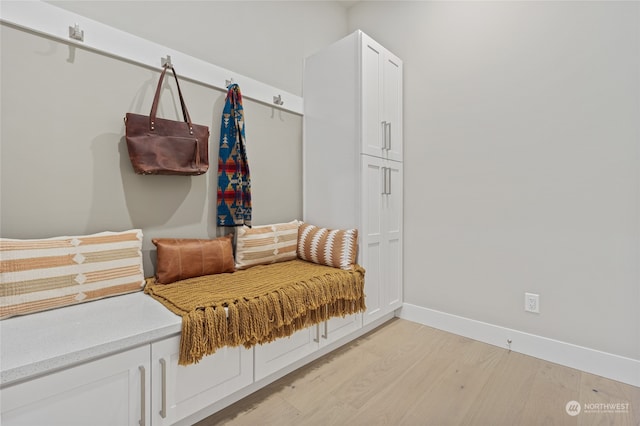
(352, 157)
(142, 384)
(338, 327)
(381, 100)
(138, 387)
(179, 391)
(109, 391)
(274, 356)
(381, 235)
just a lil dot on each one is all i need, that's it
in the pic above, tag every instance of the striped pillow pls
(331, 247)
(266, 244)
(40, 274)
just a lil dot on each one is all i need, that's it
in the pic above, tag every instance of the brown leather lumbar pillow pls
(182, 258)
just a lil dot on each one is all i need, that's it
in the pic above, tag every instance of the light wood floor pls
(404, 373)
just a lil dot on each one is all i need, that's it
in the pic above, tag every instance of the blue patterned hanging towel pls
(234, 182)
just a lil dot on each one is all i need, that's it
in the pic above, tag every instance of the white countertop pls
(34, 344)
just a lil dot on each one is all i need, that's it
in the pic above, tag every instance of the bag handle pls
(156, 99)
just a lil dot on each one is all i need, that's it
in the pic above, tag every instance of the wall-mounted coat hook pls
(278, 100)
(166, 61)
(229, 82)
(76, 33)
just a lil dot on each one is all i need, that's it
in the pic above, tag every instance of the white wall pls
(522, 137)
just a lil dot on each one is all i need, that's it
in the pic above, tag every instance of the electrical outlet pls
(532, 303)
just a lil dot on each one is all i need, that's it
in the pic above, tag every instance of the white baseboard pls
(603, 364)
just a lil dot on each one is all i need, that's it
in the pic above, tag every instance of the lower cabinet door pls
(282, 352)
(339, 327)
(109, 391)
(179, 391)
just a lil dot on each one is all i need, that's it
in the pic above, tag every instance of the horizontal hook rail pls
(47, 19)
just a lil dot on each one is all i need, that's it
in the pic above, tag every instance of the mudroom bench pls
(116, 361)
(82, 344)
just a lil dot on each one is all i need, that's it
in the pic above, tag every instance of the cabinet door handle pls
(384, 135)
(389, 181)
(388, 139)
(386, 181)
(317, 339)
(163, 409)
(143, 396)
(326, 330)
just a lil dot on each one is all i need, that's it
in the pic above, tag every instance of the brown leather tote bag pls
(164, 147)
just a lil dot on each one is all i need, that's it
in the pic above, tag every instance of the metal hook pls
(76, 33)
(166, 62)
(229, 82)
(278, 100)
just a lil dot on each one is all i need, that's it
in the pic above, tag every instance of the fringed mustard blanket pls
(257, 305)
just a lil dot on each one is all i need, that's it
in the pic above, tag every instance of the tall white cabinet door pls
(180, 391)
(373, 127)
(372, 236)
(392, 106)
(382, 238)
(392, 216)
(381, 100)
(110, 391)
